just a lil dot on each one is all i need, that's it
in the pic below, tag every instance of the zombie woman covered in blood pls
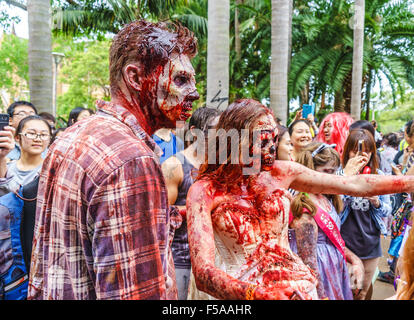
(238, 219)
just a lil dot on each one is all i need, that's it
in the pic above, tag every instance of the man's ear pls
(131, 77)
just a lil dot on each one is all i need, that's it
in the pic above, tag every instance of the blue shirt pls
(169, 148)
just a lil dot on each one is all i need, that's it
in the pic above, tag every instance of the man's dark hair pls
(202, 116)
(392, 140)
(409, 128)
(149, 45)
(47, 116)
(362, 124)
(10, 109)
(74, 114)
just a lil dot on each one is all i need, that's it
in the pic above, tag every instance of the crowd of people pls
(133, 202)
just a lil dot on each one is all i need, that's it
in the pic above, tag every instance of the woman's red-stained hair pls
(351, 144)
(340, 122)
(241, 114)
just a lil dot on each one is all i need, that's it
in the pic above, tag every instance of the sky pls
(22, 28)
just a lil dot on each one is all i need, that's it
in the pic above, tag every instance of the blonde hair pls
(306, 158)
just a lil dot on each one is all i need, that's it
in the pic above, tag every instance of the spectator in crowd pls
(362, 223)
(384, 166)
(403, 164)
(179, 171)
(17, 111)
(300, 135)
(56, 134)
(101, 185)
(334, 129)
(284, 148)
(77, 114)
(33, 135)
(377, 135)
(389, 147)
(320, 247)
(401, 159)
(169, 143)
(49, 118)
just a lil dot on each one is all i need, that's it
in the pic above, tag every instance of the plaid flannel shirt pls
(102, 221)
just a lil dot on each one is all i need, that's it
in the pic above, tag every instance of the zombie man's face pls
(176, 88)
(267, 134)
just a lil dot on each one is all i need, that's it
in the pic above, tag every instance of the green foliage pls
(393, 119)
(85, 69)
(323, 42)
(14, 68)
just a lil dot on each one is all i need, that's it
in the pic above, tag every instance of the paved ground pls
(383, 290)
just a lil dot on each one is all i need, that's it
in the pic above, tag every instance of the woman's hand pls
(374, 201)
(355, 164)
(396, 169)
(298, 115)
(286, 293)
(6, 141)
(357, 277)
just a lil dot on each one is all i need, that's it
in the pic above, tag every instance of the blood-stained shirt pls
(102, 220)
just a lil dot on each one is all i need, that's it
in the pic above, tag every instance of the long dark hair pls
(351, 144)
(241, 114)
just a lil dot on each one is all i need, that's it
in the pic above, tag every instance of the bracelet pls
(250, 292)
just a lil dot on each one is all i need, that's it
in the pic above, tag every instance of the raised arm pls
(6, 145)
(304, 179)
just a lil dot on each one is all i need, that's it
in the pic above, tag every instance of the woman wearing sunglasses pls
(33, 135)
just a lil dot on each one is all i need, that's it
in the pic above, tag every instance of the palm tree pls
(280, 58)
(96, 17)
(323, 49)
(218, 49)
(40, 54)
(357, 61)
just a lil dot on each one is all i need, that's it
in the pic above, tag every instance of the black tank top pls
(180, 248)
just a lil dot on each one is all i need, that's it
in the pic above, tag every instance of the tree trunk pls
(218, 54)
(343, 98)
(40, 55)
(368, 95)
(290, 47)
(357, 60)
(280, 58)
(237, 41)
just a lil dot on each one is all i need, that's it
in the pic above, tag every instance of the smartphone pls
(360, 146)
(4, 120)
(306, 109)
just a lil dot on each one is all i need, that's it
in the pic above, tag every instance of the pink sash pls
(329, 227)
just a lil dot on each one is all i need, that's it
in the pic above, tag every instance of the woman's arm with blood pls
(307, 180)
(357, 269)
(306, 231)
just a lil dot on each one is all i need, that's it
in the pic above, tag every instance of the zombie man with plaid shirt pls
(102, 222)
